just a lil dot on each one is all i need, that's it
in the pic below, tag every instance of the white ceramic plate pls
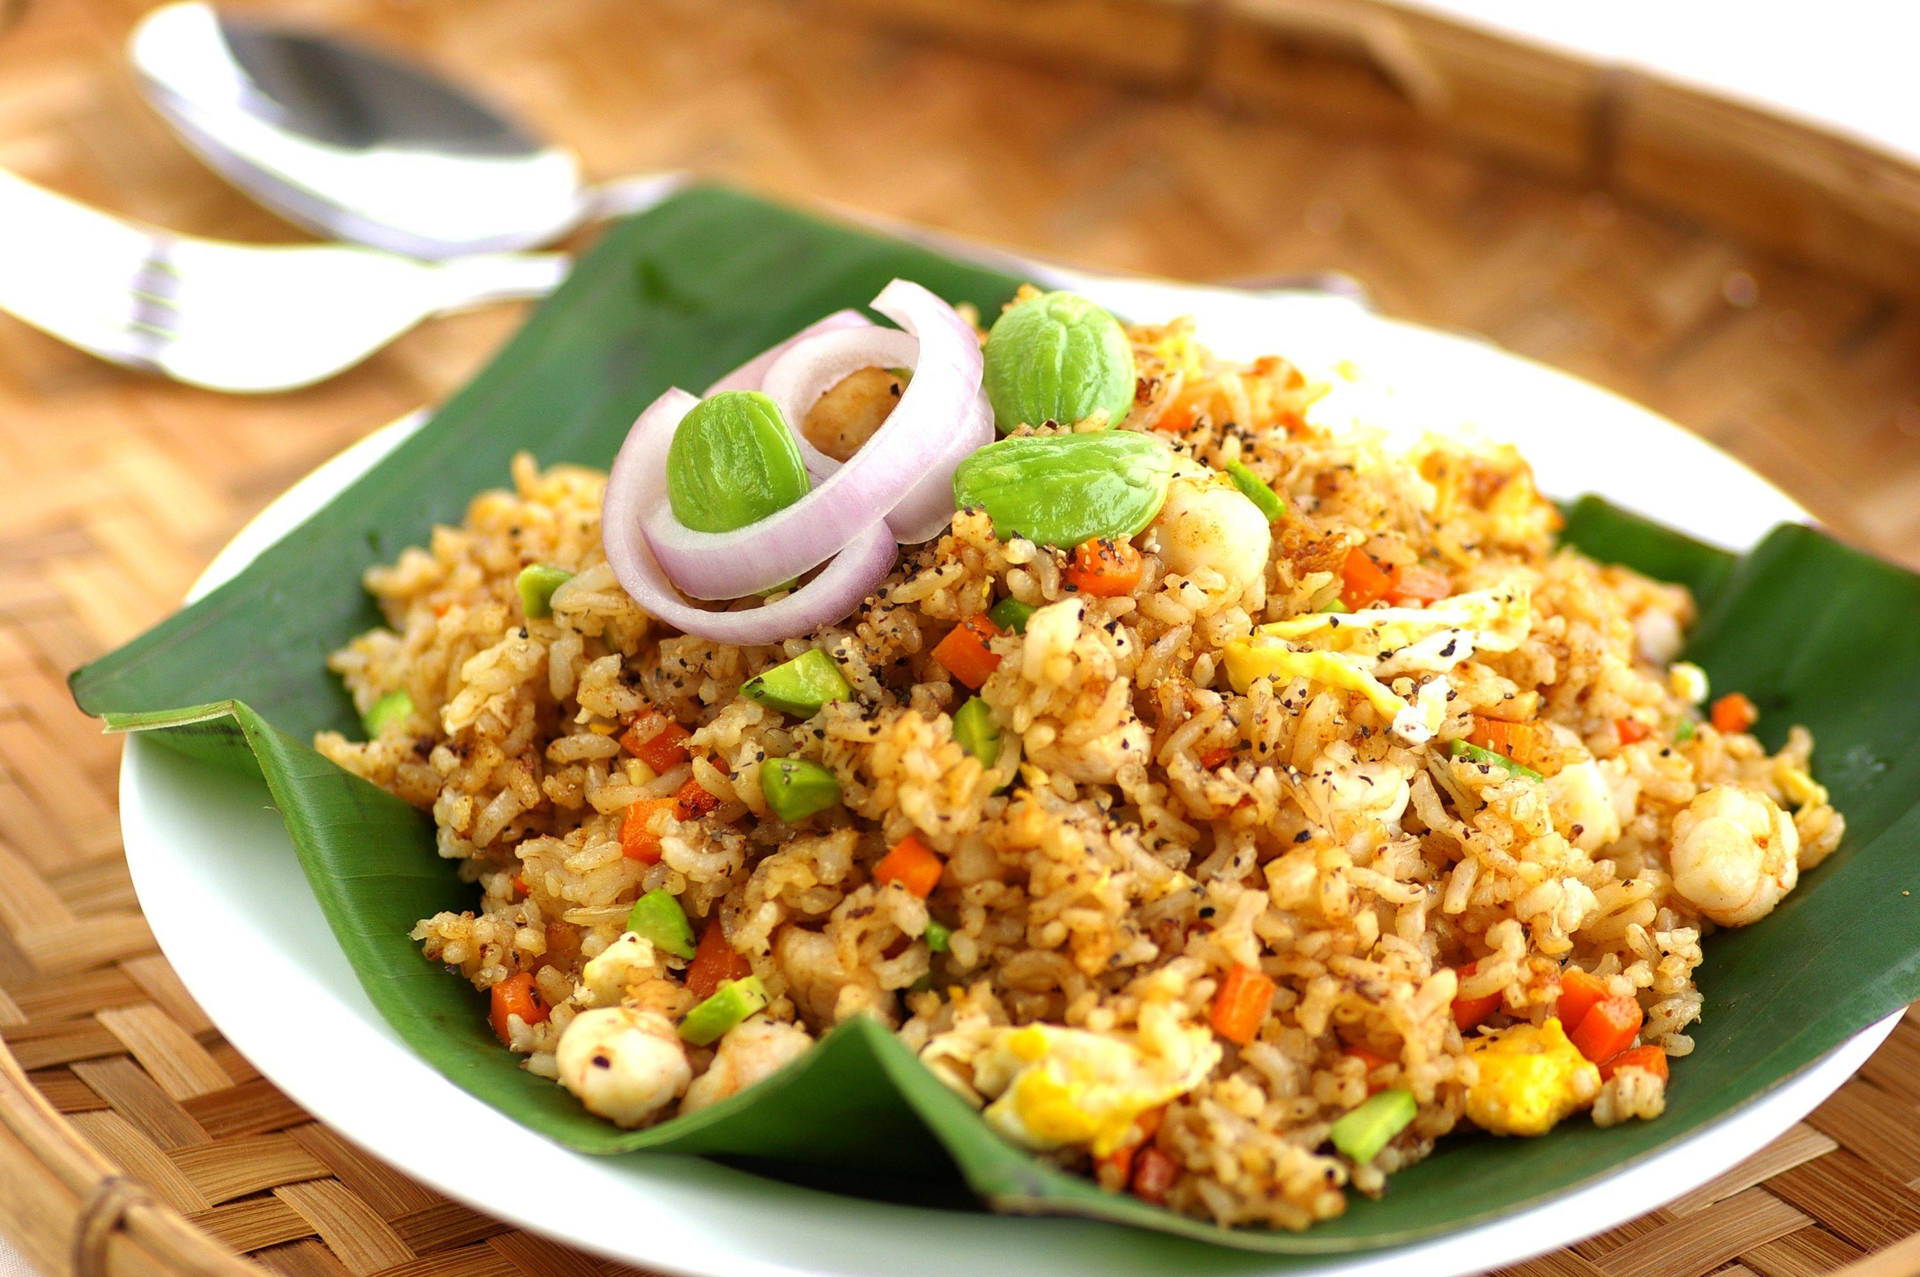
(220, 884)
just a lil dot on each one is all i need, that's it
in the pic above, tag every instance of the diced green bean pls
(1339, 605)
(1256, 490)
(797, 788)
(731, 1003)
(1012, 614)
(1365, 1129)
(1487, 758)
(536, 583)
(1686, 730)
(658, 918)
(938, 936)
(394, 707)
(978, 734)
(801, 686)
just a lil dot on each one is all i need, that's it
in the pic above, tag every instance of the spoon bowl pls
(350, 142)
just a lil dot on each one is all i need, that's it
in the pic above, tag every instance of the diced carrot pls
(714, 962)
(1580, 991)
(1468, 1012)
(1413, 582)
(1363, 580)
(1216, 757)
(1650, 1058)
(519, 885)
(1371, 1061)
(514, 996)
(663, 750)
(1509, 740)
(1153, 1175)
(1630, 730)
(637, 840)
(1608, 1028)
(1105, 567)
(1734, 713)
(1145, 1127)
(1121, 1162)
(692, 801)
(910, 864)
(965, 653)
(1177, 419)
(1241, 1006)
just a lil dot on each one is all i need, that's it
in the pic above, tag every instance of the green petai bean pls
(1064, 489)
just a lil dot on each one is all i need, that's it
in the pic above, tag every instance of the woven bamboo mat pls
(133, 1139)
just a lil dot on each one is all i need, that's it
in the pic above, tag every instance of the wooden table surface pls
(116, 488)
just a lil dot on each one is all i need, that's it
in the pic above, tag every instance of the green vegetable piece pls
(1338, 605)
(657, 917)
(978, 734)
(1686, 730)
(1364, 1130)
(1487, 758)
(733, 461)
(1012, 614)
(1057, 357)
(536, 583)
(800, 686)
(1256, 490)
(797, 788)
(939, 937)
(392, 708)
(1064, 489)
(731, 1003)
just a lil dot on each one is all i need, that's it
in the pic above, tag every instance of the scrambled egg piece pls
(1414, 722)
(1059, 1086)
(1530, 1078)
(1355, 651)
(1433, 638)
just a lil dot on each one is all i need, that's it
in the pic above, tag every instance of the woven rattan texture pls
(132, 1112)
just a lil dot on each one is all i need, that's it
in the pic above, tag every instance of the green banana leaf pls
(1814, 632)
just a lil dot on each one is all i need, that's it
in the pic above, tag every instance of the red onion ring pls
(937, 413)
(811, 365)
(638, 484)
(750, 375)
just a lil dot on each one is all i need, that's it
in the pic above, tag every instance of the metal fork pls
(234, 317)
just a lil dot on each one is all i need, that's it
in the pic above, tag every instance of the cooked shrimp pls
(1208, 525)
(847, 415)
(622, 1063)
(750, 1052)
(1734, 855)
(822, 987)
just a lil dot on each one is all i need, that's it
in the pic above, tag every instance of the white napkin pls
(12, 1264)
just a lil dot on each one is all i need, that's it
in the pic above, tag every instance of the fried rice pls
(1146, 832)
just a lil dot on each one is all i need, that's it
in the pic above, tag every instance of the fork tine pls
(81, 276)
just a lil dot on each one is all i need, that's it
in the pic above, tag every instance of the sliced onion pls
(935, 423)
(812, 367)
(750, 375)
(638, 484)
(809, 367)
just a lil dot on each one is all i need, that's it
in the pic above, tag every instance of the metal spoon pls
(357, 145)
